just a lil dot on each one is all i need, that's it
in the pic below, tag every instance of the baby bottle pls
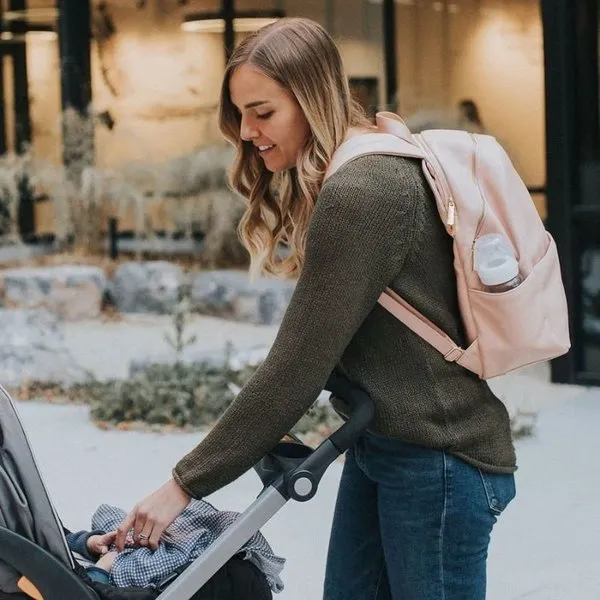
(496, 263)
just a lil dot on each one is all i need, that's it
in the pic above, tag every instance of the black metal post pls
(74, 33)
(586, 23)
(228, 9)
(2, 97)
(559, 26)
(22, 118)
(113, 244)
(389, 50)
(21, 81)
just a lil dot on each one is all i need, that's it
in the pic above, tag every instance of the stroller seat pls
(32, 541)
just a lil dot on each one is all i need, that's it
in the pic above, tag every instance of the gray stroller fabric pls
(25, 507)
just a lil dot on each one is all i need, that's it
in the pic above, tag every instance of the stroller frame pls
(289, 471)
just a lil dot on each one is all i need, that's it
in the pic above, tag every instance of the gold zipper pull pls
(451, 217)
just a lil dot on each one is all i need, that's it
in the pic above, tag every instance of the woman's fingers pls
(155, 536)
(143, 538)
(142, 521)
(124, 528)
(152, 516)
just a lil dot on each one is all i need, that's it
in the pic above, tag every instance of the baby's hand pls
(99, 544)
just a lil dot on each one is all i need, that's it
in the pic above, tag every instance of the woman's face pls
(270, 118)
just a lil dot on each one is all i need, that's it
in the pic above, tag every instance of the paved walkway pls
(546, 546)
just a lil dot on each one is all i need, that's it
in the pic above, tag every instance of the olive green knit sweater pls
(375, 225)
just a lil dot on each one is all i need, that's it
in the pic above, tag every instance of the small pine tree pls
(181, 312)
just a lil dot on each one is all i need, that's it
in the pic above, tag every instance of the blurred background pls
(108, 129)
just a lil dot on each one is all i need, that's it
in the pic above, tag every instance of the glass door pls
(571, 33)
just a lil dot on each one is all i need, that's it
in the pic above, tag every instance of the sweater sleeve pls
(361, 231)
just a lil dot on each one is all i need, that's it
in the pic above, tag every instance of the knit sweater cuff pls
(179, 481)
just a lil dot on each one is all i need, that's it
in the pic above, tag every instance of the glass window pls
(589, 123)
(478, 65)
(589, 234)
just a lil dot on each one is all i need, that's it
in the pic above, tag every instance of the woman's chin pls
(277, 166)
(274, 167)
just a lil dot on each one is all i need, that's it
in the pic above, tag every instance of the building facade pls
(524, 71)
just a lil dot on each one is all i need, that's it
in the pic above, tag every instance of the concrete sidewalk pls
(547, 544)
(545, 547)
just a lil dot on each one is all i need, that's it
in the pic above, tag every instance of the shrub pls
(178, 395)
(181, 396)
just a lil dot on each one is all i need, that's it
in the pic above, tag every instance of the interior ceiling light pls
(400, 2)
(41, 16)
(243, 22)
(40, 33)
(29, 24)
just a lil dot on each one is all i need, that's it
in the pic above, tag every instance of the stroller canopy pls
(25, 506)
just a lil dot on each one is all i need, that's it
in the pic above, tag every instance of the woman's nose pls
(248, 131)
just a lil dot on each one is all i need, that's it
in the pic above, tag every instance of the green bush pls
(178, 395)
(182, 396)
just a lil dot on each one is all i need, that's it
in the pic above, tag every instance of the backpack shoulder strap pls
(420, 325)
(397, 141)
(372, 143)
(392, 123)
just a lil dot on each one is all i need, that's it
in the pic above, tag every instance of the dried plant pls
(192, 189)
(52, 180)
(199, 198)
(106, 192)
(178, 340)
(78, 141)
(76, 218)
(14, 173)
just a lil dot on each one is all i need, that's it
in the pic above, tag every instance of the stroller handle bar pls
(295, 469)
(291, 470)
(362, 411)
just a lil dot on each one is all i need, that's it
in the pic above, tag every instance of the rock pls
(33, 349)
(232, 294)
(215, 358)
(146, 287)
(71, 292)
(11, 253)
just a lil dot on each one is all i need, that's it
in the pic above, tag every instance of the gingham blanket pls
(186, 538)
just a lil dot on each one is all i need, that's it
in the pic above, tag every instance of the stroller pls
(33, 547)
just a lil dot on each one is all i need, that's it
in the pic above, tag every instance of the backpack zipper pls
(483, 202)
(450, 206)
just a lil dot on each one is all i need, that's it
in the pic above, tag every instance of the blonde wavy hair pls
(300, 56)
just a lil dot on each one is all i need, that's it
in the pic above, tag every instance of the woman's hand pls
(150, 517)
(99, 544)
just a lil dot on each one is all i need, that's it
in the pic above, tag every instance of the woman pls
(421, 491)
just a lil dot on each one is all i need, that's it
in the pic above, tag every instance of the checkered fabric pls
(198, 526)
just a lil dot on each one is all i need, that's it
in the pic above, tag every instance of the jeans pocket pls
(499, 489)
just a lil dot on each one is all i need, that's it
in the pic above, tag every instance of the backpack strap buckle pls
(454, 354)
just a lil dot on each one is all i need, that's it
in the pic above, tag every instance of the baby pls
(191, 534)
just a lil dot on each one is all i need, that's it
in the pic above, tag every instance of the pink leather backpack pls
(478, 191)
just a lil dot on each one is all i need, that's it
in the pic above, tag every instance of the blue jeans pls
(98, 574)
(412, 523)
